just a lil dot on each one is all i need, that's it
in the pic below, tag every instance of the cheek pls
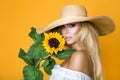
(75, 34)
(62, 32)
(75, 31)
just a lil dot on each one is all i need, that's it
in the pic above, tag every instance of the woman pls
(81, 33)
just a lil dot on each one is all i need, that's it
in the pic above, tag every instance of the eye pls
(71, 25)
(62, 27)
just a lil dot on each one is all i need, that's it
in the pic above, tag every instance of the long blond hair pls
(89, 39)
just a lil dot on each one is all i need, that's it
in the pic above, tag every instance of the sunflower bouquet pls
(42, 53)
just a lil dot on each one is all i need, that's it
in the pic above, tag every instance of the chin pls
(70, 43)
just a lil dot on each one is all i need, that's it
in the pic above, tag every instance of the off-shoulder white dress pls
(61, 73)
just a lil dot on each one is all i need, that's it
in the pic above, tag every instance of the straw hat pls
(77, 13)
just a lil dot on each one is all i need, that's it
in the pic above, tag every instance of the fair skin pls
(80, 60)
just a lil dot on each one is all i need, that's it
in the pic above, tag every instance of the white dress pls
(61, 73)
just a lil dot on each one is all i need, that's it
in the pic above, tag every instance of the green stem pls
(47, 57)
(36, 66)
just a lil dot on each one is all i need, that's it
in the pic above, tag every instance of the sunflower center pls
(53, 42)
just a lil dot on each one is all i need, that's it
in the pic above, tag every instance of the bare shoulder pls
(82, 54)
(80, 61)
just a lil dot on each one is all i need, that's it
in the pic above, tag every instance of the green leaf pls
(25, 57)
(31, 73)
(36, 63)
(64, 54)
(35, 36)
(39, 75)
(36, 51)
(48, 65)
(45, 63)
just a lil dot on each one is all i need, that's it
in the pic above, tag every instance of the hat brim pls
(103, 24)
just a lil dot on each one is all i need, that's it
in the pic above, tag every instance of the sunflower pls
(53, 42)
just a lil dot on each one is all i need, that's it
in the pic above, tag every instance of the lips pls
(67, 38)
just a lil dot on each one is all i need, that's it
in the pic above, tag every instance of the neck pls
(76, 46)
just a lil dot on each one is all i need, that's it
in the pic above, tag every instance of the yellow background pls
(18, 16)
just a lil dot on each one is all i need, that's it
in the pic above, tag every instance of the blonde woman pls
(81, 33)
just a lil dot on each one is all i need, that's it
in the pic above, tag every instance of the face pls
(71, 32)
